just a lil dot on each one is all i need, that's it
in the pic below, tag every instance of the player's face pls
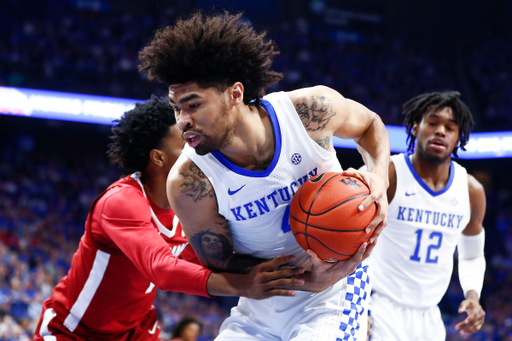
(437, 135)
(202, 117)
(191, 332)
(172, 145)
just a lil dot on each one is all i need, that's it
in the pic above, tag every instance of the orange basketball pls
(324, 215)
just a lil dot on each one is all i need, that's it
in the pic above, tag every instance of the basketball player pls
(131, 245)
(434, 207)
(245, 157)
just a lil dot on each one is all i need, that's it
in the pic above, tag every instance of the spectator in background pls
(188, 329)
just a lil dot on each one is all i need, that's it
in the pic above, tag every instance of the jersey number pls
(435, 245)
(285, 225)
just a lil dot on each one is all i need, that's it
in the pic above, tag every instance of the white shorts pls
(337, 313)
(391, 321)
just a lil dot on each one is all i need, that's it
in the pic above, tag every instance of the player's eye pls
(193, 106)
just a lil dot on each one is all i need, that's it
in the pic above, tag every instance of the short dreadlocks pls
(139, 131)
(212, 51)
(415, 108)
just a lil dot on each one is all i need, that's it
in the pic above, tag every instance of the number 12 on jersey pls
(436, 239)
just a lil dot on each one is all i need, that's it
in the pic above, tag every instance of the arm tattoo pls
(215, 250)
(196, 184)
(224, 223)
(317, 115)
(325, 143)
(211, 247)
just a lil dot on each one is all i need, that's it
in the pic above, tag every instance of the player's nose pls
(183, 121)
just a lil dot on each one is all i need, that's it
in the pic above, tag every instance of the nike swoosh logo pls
(153, 330)
(230, 192)
(409, 194)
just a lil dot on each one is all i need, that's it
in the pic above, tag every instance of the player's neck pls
(434, 175)
(253, 145)
(155, 187)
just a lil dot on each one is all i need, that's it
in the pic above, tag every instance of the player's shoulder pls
(475, 187)
(123, 194)
(186, 174)
(309, 94)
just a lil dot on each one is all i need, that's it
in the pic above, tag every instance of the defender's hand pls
(268, 279)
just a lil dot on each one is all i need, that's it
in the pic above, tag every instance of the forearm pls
(241, 264)
(224, 284)
(472, 262)
(374, 147)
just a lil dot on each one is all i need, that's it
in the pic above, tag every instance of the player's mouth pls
(438, 144)
(191, 138)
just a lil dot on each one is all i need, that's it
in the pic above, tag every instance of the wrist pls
(223, 284)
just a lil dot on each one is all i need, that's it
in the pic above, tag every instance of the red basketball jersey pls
(124, 253)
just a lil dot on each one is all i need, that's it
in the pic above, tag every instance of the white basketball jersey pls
(256, 203)
(413, 259)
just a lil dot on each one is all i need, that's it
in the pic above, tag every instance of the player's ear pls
(157, 157)
(236, 93)
(415, 128)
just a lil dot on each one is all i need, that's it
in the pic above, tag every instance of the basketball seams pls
(339, 204)
(324, 245)
(324, 236)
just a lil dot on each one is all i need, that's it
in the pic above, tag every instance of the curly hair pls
(415, 108)
(184, 322)
(139, 131)
(212, 51)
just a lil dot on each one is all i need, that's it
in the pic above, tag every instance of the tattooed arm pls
(325, 113)
(193, 200)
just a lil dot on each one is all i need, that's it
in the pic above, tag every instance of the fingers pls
(369, 250)
(279, 292)
(463, 306)
(351, 263)
(469, 326)
(277, 262)
(474, 320)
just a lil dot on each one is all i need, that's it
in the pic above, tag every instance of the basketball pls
(325, 218)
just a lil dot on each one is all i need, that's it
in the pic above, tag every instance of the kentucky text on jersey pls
(429, 217)
(261, 206)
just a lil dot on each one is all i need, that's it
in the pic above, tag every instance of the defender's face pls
(202, 117)
(437, 135)
(172, 145)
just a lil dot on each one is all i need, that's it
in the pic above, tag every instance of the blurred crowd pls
(45, 192)
(86, 50)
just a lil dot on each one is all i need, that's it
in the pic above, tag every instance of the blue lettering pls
(262, 204)
(249, 210)
(436, 218)
(272, 196)
(409, 217)
(419, 215)
(450, 220)
(401, 211)
(303, 179)
(428, 215)
(237, 214)
(313, 172)
(460, 218)
(442, 219)
(291, 187)
(285, 189)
